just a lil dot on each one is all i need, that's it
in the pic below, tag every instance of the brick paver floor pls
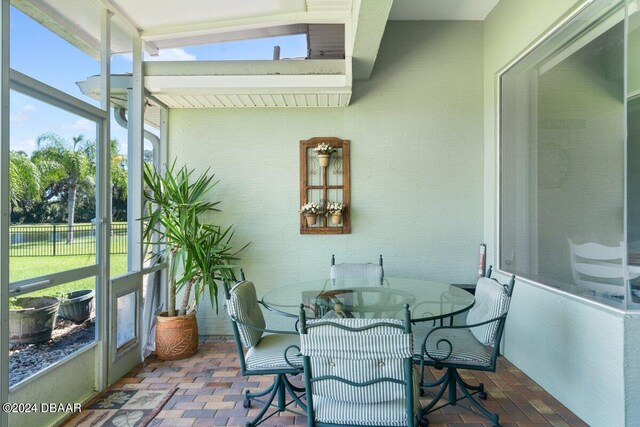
(210, 393)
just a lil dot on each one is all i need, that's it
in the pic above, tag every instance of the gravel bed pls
(67, 338)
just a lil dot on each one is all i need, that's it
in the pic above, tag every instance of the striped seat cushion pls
(389, 413)
(466, 348)
(270, 353)
(359, 356)
(491, 301)
(243, 305)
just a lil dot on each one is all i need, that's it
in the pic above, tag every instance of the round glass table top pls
(339, 298)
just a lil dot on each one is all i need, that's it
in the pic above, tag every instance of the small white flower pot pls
(336, 218)
(311, 219)
(324, 159)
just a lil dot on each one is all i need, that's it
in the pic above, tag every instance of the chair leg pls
(451, 381)
(292, 392)
(278, 389)
(446, 380)
(484, 411)
(274, 389)
(250, 396)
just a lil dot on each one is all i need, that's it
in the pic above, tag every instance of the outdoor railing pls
(59, 240)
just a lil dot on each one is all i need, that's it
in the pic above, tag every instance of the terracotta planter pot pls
(176, 337)
(324, 159)
(336, 219)
(311, 219)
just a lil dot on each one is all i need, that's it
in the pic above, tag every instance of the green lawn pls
(26, 267)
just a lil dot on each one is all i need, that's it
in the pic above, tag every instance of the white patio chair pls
(599, 270)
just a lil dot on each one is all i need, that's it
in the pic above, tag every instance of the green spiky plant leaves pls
(199, 254)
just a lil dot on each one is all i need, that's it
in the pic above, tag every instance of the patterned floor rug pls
(122, 408)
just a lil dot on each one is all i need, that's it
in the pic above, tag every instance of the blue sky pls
(38, 53)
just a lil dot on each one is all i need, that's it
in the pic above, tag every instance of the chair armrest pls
(447, 342)
(271, 331)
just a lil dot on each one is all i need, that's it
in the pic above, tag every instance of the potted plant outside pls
(32, 319)
(77, 305)
(324, 151)
(335, 210)
(198, 254)
(310, 211)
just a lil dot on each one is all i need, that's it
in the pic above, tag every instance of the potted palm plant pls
(198, 254)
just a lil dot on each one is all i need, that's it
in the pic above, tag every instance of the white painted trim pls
(129, 26)
(135, 148)
(43, 92)
(51, 17)
(557, 26)
(53, 279)
(216, 83)
(103, 206)
(216, 27)
(4, 208)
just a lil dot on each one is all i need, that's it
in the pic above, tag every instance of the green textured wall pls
(416, 166)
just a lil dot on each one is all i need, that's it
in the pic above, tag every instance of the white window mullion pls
(4, 208)
(103, 206)
(135, 160)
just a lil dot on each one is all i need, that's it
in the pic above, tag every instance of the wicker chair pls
(269, 353)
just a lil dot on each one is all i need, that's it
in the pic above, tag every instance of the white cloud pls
(22, 116)
(80, 125)
(173, 54)
(27, 145)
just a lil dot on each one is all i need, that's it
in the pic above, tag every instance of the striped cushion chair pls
(272, 353)
(474, 346)
(368, 273)
(358, 372)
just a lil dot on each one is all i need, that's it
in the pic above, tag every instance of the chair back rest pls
(597, 267)
(242, 305)
(492, 300)
(357, 351)
(362, 271)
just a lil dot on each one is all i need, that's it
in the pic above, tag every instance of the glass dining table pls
(357, 298)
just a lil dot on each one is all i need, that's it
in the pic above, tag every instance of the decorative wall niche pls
(325, 185)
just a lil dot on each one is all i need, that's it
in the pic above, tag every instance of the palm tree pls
(24, 178)
(69, 166)
(119, 174)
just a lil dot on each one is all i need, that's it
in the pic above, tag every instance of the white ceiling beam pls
(214, 27)
(371, 21)
(128, 25)
(55, 21)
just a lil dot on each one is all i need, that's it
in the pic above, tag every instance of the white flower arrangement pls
(334, 208)
(311, 209)
(323, 148)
